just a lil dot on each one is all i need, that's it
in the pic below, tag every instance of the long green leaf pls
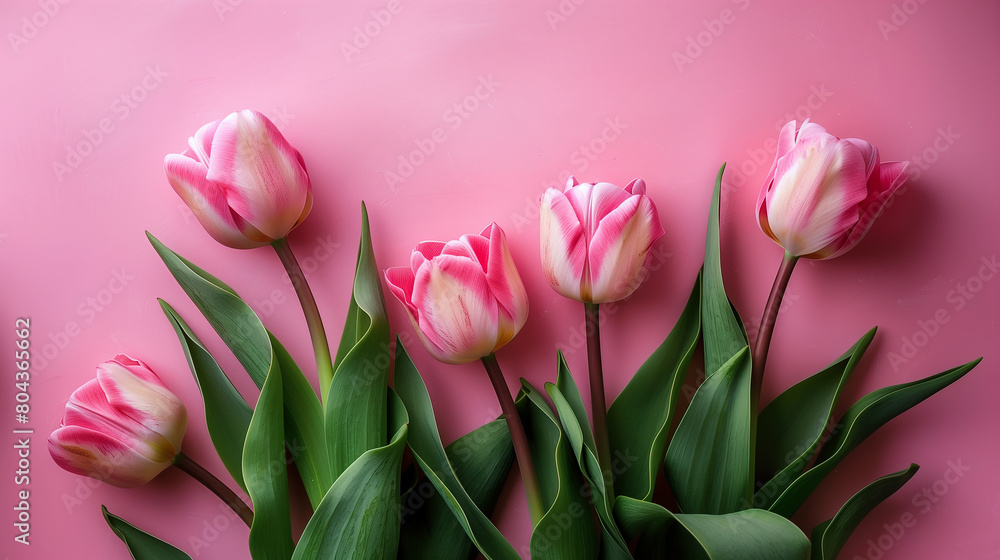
(791, 428)
(576, 426)
(358, 518)
(722, 328)
(639, 418)
(861, 420)
(831, 535)
(242, 331)
(425, 443)
(709, 464)
(304, 433)
(566, 531)
(227, 413)
(481, 460)
(266, 475)
(752, 534)
(355, 404)
(141, 545)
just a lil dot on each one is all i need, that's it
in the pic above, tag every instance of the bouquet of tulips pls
(736, 472)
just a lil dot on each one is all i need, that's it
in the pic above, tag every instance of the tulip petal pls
(604, 199)
(868, 152)
(505, 284)
(883, 184)
(786, 141)
(201, 142)
(400, 281)
(816, 192)
(619, 250)
(563, 244)
(636, 186)
(457, 314)
(208, 202)
(91, 453)
(88, 407)
(260, 173)
(147, 402)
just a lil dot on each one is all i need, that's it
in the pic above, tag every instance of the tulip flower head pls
(596, 237)
(124, 427)
(464, 297)
(823, 193)
(244, 182)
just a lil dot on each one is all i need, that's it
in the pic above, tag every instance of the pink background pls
(606, 91)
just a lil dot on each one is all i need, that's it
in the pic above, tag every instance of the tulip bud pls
(124, 427)
(823, 193)
(244, 182)
(596, 237)
(464, 297)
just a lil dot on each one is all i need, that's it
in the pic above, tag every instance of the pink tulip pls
(244, 182)
(596, 239)
(823, 193)
(464, 297)
(124, 427)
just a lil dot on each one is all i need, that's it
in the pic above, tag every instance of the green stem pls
(518, 438)
(767, 325)
(324, 365)
(597, 399)
(208, 480)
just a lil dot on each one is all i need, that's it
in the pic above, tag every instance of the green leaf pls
(233, 319)
(861, 420)
(722, 328)
(242, 331)
(305, 437)
(831, 535)
(566, 530)
(639, 419)
(226, 412)
(359, 516)
(266, 474)
(576, 426)
(425, 444)
(709, 463)
(355, 404)
(752, 534)
(481, 460)
(791, 428)
(141, 545)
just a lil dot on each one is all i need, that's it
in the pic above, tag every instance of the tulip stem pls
(209, 480)
(597, 399)
(518, 438)
(324, 365)
(767, 321)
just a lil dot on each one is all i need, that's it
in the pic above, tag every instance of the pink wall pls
(507, 98)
